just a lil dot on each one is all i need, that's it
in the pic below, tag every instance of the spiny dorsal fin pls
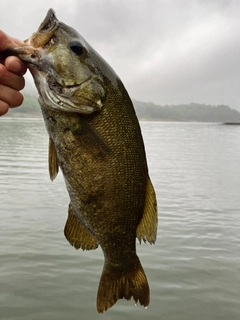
(147, 228)
(52, 160)
(76, 234)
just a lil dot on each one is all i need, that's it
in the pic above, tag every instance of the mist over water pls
(194, 268)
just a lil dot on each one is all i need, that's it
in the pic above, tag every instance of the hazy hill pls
(150, 111)
(186, 112)
(30, 108)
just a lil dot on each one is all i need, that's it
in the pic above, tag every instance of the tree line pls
(186, 112)
(150, 111)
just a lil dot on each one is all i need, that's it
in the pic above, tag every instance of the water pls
(194, 268)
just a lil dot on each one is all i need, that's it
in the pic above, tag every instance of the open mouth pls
(49, 23)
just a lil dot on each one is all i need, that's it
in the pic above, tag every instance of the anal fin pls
(76, 234)
(147, 228)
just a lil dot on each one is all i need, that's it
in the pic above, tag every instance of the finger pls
(10, 96)
(3, 108)
(7, 42)
(15, 65)
(18, 42)
(11, 79)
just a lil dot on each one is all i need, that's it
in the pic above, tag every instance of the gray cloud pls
(165, 51)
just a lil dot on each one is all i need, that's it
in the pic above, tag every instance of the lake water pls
(194, 268)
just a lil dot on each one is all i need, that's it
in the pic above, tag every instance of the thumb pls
(7, 41)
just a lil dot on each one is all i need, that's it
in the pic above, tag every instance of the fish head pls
(65, 67)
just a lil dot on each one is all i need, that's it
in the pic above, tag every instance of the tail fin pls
(118, 285)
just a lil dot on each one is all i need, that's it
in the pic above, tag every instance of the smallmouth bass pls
(95, 138)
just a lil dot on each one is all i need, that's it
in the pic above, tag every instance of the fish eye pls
(76, 47)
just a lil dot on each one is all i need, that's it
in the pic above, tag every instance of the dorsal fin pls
(52, 160)
(147, 228)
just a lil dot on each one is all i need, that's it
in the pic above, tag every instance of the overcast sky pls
(165, 51)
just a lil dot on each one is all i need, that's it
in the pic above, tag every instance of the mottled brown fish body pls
(96, 140)
(104, 187)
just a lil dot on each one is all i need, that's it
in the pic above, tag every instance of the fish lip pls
(77, 86)
(71, 106)
(64, 104)
(50, 21)
(26, 53)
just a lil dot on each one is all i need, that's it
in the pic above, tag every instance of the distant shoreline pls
(148, 111)
(27, 117)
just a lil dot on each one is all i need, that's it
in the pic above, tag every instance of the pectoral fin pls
(147, 228)
(76, 234)
(89, 136)
(52, 160)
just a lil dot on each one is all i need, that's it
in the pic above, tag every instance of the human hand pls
(12, 70)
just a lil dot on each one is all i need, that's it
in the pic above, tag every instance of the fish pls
(96, 140)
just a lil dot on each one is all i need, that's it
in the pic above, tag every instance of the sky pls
(164, 51)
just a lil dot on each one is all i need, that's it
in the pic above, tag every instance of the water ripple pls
(193, 269)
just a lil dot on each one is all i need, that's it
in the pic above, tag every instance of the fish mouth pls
(63, 103)
(45, 31)
(64, 97)
(49, 23)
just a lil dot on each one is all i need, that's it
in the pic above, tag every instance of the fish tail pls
(123, 284)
